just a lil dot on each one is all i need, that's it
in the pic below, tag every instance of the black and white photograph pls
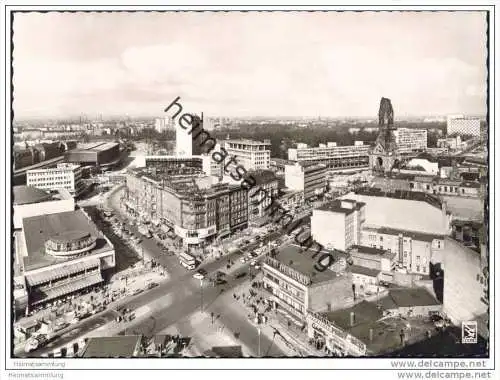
(215, 187)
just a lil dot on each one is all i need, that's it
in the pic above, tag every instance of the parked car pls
(152, 285)
(136, 292)
(244, 259)
(199, 276)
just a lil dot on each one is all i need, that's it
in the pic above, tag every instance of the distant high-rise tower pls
(188, 141)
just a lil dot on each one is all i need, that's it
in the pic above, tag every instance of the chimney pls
(353, 318)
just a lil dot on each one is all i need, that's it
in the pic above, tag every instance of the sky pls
(297, 64)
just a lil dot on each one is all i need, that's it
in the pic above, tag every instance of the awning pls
(73, 286)
(224, 233)
(57, 273)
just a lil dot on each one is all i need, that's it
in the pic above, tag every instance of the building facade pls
(413, 251)
(337, 225)
(192, 205)
(251, 154)
(65, 176)
(333, 156)
(470, 126)
(294, 287)
(60, 254)
(410, 139)
(260, 199)
(309, 178)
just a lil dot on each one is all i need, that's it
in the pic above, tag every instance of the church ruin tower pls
(384, 156)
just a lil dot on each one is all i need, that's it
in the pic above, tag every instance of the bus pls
(187, 261)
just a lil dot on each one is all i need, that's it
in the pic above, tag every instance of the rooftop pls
(99, 147)
(39, 229)
(124, 346)
(300, 260)
(414, 235)
(249, 142)
(28, 195)
(358, 269)
(262, 176)
(337, 206)
(363, 249)
(408, 297)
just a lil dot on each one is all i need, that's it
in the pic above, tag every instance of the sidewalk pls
(296, 342)
(204, 335)
(116, 285)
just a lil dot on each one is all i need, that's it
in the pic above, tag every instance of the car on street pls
(152, 285)
(253, 263)
(198, 275)
(240, 275)
(136, 292)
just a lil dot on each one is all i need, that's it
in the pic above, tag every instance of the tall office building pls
(189, 141)
(251, 154)
(458, 124)
(410, 139)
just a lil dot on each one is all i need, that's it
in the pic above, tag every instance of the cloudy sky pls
(249, 64)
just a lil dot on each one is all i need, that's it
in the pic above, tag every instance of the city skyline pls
(428, 63)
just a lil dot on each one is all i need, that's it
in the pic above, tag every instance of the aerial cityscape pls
(239, 188)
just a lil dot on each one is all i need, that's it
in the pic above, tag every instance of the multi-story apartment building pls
(197, 210)
(414, 251)
(259, 201)
(337, 225)
(64, 176)
(409, 139)
(309, 178)
(295, 287)
(163, 124)
(250, 154)
(333, 156)
(461, 125)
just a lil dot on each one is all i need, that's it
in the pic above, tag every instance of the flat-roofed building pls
(413, 251)
(361, 330)
(335, 157)
(261, 195)
(404, 211)
(337, 224)
(470, 126)
(250, 154)
(192, 205)
(104, 155)
(66, 176)
(295, 286)
(121, 346)
(309, 178)
(30, 201)
(60, 254)
(411, 139)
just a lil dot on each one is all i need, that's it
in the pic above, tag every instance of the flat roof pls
(294, 257)
(336, 206)
(364, 270)
(409, 297)
(29, 194)
(367, 316)
(123, 346)
(414, 235)
(99, 147)
(39, 229)
(249, 142)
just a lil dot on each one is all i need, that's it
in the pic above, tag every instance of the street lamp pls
(258, 331)
(201, 291)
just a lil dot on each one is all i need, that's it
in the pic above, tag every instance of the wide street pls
(186, 296)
